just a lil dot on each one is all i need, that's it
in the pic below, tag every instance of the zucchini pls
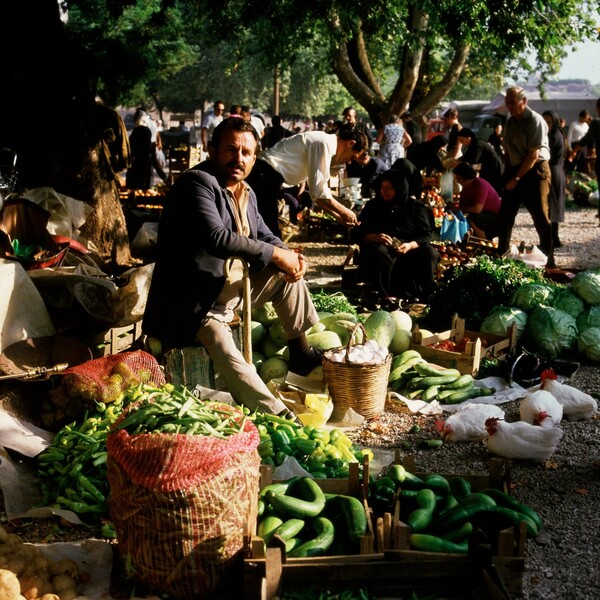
(318, 546)
(412, 482)
(478, 497)
(428, 370)
(507, 501)
(354, 515)
(281, 487)
(458, 396)
(432, 543)
(457, 516)
(310, 504)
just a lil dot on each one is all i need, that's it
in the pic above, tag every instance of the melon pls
(264, 314)
(380, 327)
(273, 368)
(258, 332)
(401, 341)
(277, 333)
(316, 328)
(324, 340)
(269, 348)
(402, 320)
(344, 329)
(338, 317)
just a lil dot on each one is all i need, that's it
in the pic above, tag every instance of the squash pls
(380, 327)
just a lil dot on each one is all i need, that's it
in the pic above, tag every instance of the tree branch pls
(440, 90)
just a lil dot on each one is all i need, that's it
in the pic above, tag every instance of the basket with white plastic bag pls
(357, 375)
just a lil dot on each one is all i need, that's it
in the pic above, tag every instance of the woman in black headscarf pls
(394, 236)
(556, 198)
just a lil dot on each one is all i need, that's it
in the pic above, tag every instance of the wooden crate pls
(483, 344)
(115, 340)
(502, 561)
(261, 564)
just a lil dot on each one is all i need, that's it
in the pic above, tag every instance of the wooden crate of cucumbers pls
(309, 522)
(484, 521)
(471, 346)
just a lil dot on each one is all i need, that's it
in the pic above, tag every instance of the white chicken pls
(521, 440)
(577, 405)
(467, 424)
(541, 408)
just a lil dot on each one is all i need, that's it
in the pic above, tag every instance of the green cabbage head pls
(550, 332)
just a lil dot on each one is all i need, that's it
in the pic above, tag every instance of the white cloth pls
(210, 122)
(576, 131)
(304, 157)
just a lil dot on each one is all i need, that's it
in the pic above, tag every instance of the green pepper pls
(265, 448)
(280, 457)
(317, 459)
(303, 446)
(320, 434)
(288, 429)
(332, 451)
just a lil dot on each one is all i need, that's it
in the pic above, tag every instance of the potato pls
(64, 565)
(34, 587)
(50, 597)
(13, 538)
(3, 535)
(62, 582)
(16, 564)
(10, 589)
(68, 594)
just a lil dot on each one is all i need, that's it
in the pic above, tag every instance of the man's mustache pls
(234, 165)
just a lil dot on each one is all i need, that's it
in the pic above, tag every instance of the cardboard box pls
(115, 340)
(468, 361)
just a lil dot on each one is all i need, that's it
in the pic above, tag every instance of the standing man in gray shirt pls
(527, 175)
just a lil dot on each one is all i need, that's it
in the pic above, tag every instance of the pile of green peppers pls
(325, 454)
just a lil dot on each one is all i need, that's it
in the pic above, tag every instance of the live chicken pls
(577, 405)
(521, 440)
(467, 424)
(541, 408)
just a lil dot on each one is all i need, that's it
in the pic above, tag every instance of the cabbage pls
(565, 299)
(587, 286)
(501, 318)
(530, 295)
(590, 317)
(589, 343)
(550, 332)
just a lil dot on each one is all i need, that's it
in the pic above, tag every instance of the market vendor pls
(479, 201)
(394, 236)
(305, 157)
(211, 215)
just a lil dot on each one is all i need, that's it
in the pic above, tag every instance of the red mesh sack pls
(101, 380)
(181, 505)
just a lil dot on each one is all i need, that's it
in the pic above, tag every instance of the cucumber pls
(428, 370)
(398, 371)
(460, 487)
(289, 529)
(281, 487)
(461, 533)
(403, 357)
(427, 381)
(477, 497)
(457, 516)
(420, 518)
(432, 543)
(507, 501)
(267, 527)
(438, 483)
(430, 393)
(464, 381)
(310, 504)
(354, 515)
(397, 473)
(318, 546)
(458, 396)
(292, 544)
(412, 482)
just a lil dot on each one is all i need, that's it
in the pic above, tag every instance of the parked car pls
(483, 125)
(436, 126)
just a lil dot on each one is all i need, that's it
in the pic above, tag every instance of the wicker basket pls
(361, 387)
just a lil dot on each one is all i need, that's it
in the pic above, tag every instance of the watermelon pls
(380, 327)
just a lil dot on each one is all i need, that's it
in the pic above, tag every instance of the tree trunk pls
(50, 119)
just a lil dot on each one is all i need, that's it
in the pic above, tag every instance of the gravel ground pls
(562, 562)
